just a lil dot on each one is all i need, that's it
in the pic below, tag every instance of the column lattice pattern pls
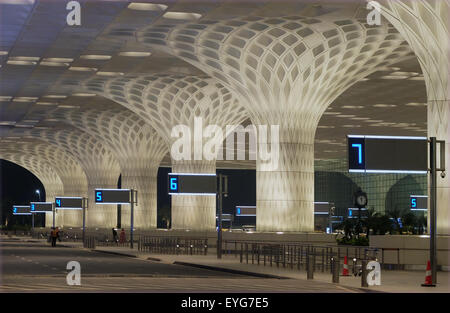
(426, 26)
(286, 71)
(166, 101)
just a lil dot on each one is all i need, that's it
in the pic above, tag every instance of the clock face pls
(361, 200)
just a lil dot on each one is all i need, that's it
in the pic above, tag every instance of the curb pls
(231, 271)
(115, 253)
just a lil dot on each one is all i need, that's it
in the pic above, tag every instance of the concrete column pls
(144, 180)
(285, 191)
(425, 25)
(285, 71)
(101, 215)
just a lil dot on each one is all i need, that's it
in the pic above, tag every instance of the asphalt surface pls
(22, 258)
(37, 267)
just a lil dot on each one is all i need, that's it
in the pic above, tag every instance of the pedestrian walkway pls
(391, 281)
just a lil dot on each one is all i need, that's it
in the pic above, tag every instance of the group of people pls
(122, 238)
(54, 235)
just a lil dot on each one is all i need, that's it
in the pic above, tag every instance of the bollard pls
(364, 274)
(310, 267)
(335, 266)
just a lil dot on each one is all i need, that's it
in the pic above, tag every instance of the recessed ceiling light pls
(394, 77)
(5, 98)
(21, 58)
(109, 73)
(3, 52)
(353, 107)
(55, 96)
(146, 6)
(82, 69)
(323, 126)
(385, 105)
(24, 99)
(80, 94)
(186, 16)
(24, 125)
(58, 60)
(45, 63)
(331, 113)
(95, 57)
(11, 62)
(398, 73)
(416, 104)
(7, 123)
(65, 106)
(360, 118)
(46, 103)
(345, 115)
(417, 78)
(134, 54)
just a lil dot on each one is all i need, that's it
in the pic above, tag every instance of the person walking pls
(54, 236)
(114, 231)
(122, 238)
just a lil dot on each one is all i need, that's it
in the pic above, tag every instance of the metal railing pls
(296, 255)
(89, 242)
(173, 245)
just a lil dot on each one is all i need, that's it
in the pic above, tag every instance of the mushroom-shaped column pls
(101, 168)
(286, 71)
(138, 149)
(70, 173)
(170, 104)
(425, 25)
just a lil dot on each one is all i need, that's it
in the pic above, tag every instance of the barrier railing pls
(296, 255)
(173, 245)
(89, 242)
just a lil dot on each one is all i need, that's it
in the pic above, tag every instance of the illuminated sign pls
(192, 184)
(21, 210)
(41, 207)
(418, 203)
(243, 210)
(69, 203)
(321, 208)
(387, 154)
(353, 212)
(112, 196)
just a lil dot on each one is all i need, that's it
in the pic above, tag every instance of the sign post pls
(40, 207)
(200, 184)
(223, 191)
(119, 196)
(408, 155)
(72, 203)
(433, 200)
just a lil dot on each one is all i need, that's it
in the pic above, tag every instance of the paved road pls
(31, 267)
(19, 258)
